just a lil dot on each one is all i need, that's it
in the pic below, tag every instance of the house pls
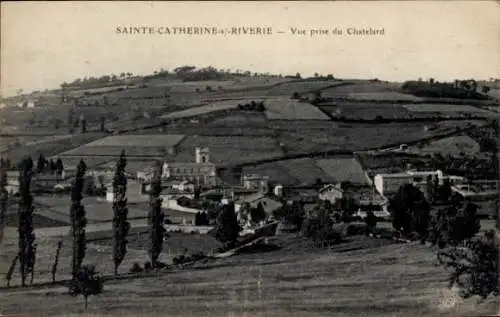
(269, 205)
(39, 181)
(256, 182)
(388, 184)
(331, 193)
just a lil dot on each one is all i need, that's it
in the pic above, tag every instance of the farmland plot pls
(291, 109)
(452, 145)
(306, 171)
(344, 169)
(367, 111)
(359, 87)
(240, 120)
(133, 145)
(383, 96)
(276, 171)
(447, 109)
(229, 150)
(305, 86)
(196, 111)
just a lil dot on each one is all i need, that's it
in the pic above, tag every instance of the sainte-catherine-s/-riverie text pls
(244, 30)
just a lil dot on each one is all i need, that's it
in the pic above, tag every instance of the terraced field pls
(367, 111)
(196, 111)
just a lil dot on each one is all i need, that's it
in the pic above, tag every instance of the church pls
(201, 172)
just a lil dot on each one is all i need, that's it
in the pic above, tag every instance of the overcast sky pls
(44, 44)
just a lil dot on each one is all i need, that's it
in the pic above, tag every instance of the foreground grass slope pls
(363, 277)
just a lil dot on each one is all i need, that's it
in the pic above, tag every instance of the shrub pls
(86, 282)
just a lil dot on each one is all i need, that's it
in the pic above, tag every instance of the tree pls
(227, 228)
(474, 266)
(102, 124)
(298, 76)
(86, 282)
(41, 164)
(318, 227)
(258, 214)
(485, 89)
(291, 214)
(371, 221)
(454, 224)
(121, 226)
(26, 233)
(410, 212)
(156, 219)
(78, 220)
(83, 125)
(201, 219)
(4, 198)
(445, 190)
(59, 166)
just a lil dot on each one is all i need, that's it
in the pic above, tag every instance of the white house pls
(388, 184)
(331, 193)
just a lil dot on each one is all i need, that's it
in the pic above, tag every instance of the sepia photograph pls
(250, 158)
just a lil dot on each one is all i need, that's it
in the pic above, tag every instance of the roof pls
(189, 164)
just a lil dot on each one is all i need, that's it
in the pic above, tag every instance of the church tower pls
(202, 155)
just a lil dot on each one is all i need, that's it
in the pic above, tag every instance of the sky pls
(44, 44)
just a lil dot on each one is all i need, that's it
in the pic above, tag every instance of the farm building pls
(388, 184)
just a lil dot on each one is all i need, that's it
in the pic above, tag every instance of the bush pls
(86, 282)
(136, 268)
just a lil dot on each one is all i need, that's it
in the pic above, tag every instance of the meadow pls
(360, 277)
(292, 109)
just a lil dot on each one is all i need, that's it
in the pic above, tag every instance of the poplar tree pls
(4, 197)
(156, 219)
(25, 225)
(121, 226)
(78, 220)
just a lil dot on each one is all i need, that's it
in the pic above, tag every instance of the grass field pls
(453, 145)
(305, 170)
(363, 277)
(367, 111)
(344, 169)
(133, 145)
(196, 111)
(291, 109)
(225, 150)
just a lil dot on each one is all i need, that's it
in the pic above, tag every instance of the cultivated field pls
(244, 119)
(299, 86)
(443, 110)
(363, 277)
(382, 96)
(367, 111)
(196, 111)
(229, 150)
(344, 169)
(453, 145)
(305, 170)
(291, 109)
(133, 145)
